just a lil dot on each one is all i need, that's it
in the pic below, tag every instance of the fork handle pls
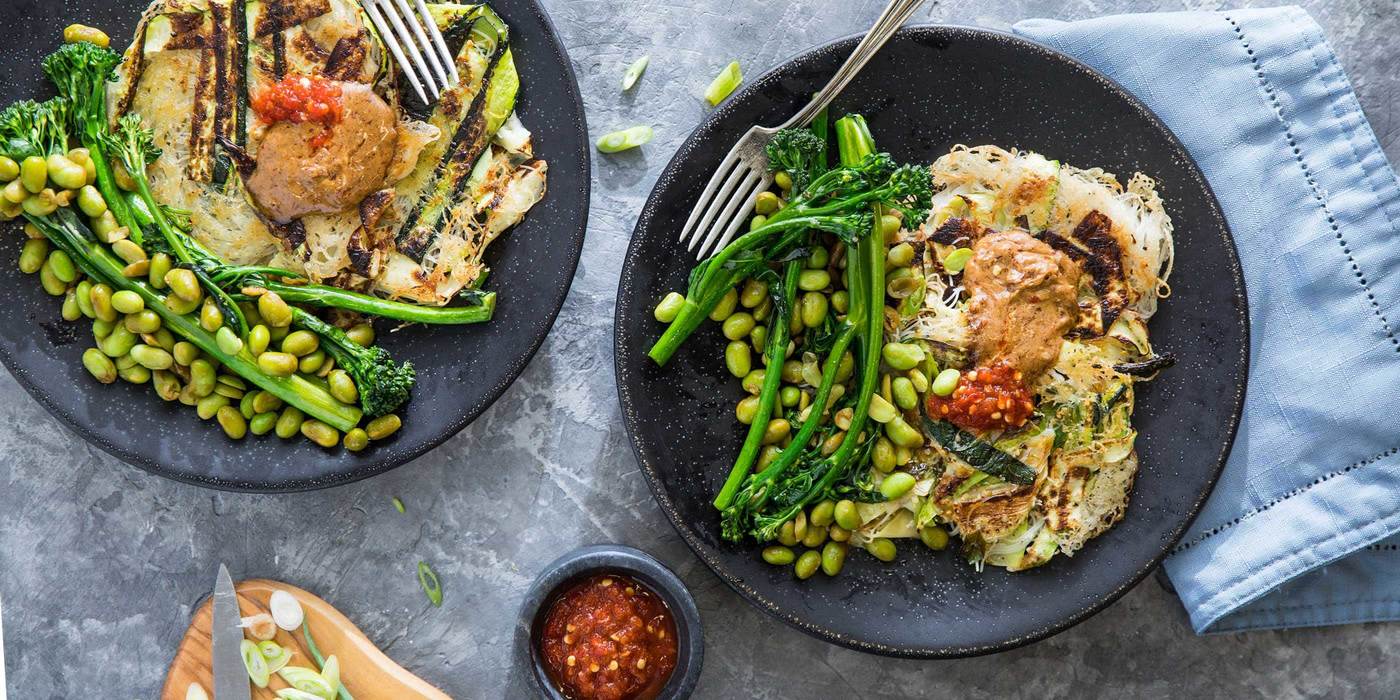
(895, 15)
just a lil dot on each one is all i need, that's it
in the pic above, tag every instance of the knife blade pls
(226, 636)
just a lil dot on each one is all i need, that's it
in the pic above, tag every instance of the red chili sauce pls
(609, 638)
(987, 398)
(301, 98)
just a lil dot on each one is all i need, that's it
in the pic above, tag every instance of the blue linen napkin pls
(1301, 529)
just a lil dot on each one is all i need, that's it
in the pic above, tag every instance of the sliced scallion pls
(276, 655)
(255, 663)
(330, 672)
(398, 504)
(286, 610)
(724, 83)
(307, 680)
(625, 139)
(428, 579)
(634, 72)
(294, 694)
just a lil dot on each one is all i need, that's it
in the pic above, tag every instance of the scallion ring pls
(634, 72)
(625, 139)
(255, 663)
(428, 579)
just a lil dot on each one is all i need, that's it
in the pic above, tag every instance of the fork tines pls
(414, 40)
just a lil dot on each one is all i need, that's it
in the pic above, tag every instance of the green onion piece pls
(307, 680)
(330, 671)
(724, 83)
(320, 660)
(275, 655)
(957, 260)
(428, 579)
(625, 139)
(398, 504)
(294, 694)
(634, 72)
(254, 662)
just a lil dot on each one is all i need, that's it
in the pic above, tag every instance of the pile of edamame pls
(908, 372)
(129, 340)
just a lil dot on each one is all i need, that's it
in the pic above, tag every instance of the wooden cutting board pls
(364, 670)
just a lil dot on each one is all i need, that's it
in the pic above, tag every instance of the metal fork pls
(414, 37)
(727, 200)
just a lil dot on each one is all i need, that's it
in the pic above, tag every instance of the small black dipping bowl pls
(624, 561)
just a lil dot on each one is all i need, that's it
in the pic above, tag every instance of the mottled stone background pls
(101, 564)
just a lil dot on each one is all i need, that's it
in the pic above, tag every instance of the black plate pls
(461, 370)
(931, 88)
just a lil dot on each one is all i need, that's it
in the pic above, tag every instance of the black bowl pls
(618, 559)
(928, 89)
(461, 370)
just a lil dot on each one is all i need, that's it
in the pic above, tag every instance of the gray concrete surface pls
(101, 564)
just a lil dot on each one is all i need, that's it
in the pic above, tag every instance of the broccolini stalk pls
(784, 300)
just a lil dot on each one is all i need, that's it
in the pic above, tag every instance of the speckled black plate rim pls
(386, 457)
(631, 420)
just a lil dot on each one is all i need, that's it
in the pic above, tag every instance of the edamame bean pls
(881, 411)
(355, 440)
(50, 281)
(902, 356)
(180, 306)
(764, 310)
(14, 193)
(789, 396)
(166, 384)
(845, 367)
(818, 259)
(343, 387)
(33, 255)
(753, 293)
(99, 366)
(258, 339)
(737, 358)
(746, 409)
(902, 434)
(813, 280)
(140, 268)
(130, 252)
(904, 394)
(753, 381)
(838, 533)
(737, 325)
(234, 424)
(786, 536)
(320, 433)
(184, 284)
(766, 203)
(767, 455)
(211, 317)
(262, 423)
(846, 515)
(883, 455)
(383, 426)
(160, 267)
(300, 343)
(783, 180)
(812, 308)
(900, 255)
(841, 301)
(124, 362)
(264, 402)
(274, 311)
(277, 364)
(882, 549)
(955, 261)
(919, 380)
(799, 525)
(823, 513)
(669, 307)
(75, 33)
(101, 299)
(725, 306)
(82, 294)
(289, 422)
(203, 378)
(757, 222)
(896, 484)
(135, 374)
(209, 406)
(778, 555)
(833, 558)
(758, 338)
(118, 343)
(936, 538)
(107, 230)
(946, 382)
(807, 564)
(127, 302)
(70, 310)
(792, 371)
(152, 358)
(229, 343)
(778, 429)
(65, 173)
(361, 334)
(185, 353)
(90, 201)
(832, 442)
(9, 169)
(814, 537)
(34, 174)
(101, 329)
